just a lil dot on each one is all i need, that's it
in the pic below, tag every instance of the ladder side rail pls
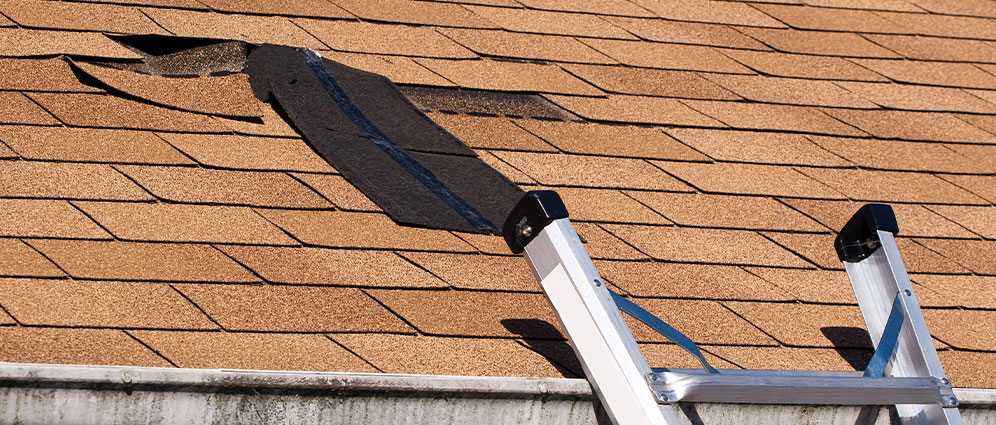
(877, 275)
(603, 343)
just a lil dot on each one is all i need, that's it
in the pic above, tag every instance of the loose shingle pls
(248, 153)
(820, 43)
(687, 33)
(269, 351)
(40, 75)
(610, 140)
(526, 46)
(790, 91)
(20, 260)
(743, 212)
(46, 218)
(715, 246)
(448, 356)
(30, 179)
(652, 279)
(20, 42)
(909, 125)
(228, 95)
(825, 325)
(292, 308)
(749, 179)
(589, 171)
(759, 116)
(74, 346)
(90, 145)
(510, 76)
(198, 185)
(184, 223)
(365, 37)
(47, 302)
(321, 266)
(80, 16)
(483, 272)
(416, 13)
(251, 28)
(634, 109)
(360, 230)
(914, 220)
(142, 261)
(667, 56)
(650, 82)
(544, 22)
(470, 313)
(107, 111)
(803, 66)
(891, 186)
(756, 147)
(18, 109)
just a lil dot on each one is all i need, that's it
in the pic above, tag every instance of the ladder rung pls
(797, 387)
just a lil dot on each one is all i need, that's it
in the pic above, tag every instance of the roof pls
(707, 152)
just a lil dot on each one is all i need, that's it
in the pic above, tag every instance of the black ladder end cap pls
(859, 237)
(531, 214)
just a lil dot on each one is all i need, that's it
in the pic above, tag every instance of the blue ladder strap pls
(630, 308)
(890, 339)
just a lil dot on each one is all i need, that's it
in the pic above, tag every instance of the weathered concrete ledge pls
(73, 394)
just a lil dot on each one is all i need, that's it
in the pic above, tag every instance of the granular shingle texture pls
(154, 212)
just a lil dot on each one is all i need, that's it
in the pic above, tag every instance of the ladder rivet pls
(598, 282)
(652, 376)
(663, 397)
(945, 381)
(953, 400)
(527, 231)
(908, 292)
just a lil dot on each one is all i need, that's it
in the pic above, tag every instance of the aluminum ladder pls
(904, 371)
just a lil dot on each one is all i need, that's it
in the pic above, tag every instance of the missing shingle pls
(180, 56)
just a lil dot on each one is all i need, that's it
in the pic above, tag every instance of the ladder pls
(904, 371)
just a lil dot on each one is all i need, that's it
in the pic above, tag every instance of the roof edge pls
(82, 394)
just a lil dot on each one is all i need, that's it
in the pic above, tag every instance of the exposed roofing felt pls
(707, 151)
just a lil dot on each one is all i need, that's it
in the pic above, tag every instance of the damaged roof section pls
(682, 136)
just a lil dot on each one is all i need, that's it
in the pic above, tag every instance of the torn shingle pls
(228, 95)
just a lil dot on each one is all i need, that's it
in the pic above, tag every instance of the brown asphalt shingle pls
(727, 140)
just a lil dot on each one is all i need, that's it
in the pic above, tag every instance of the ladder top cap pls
(859, 237)
(531, 214)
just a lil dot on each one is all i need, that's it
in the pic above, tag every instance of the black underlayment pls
(418, 173)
